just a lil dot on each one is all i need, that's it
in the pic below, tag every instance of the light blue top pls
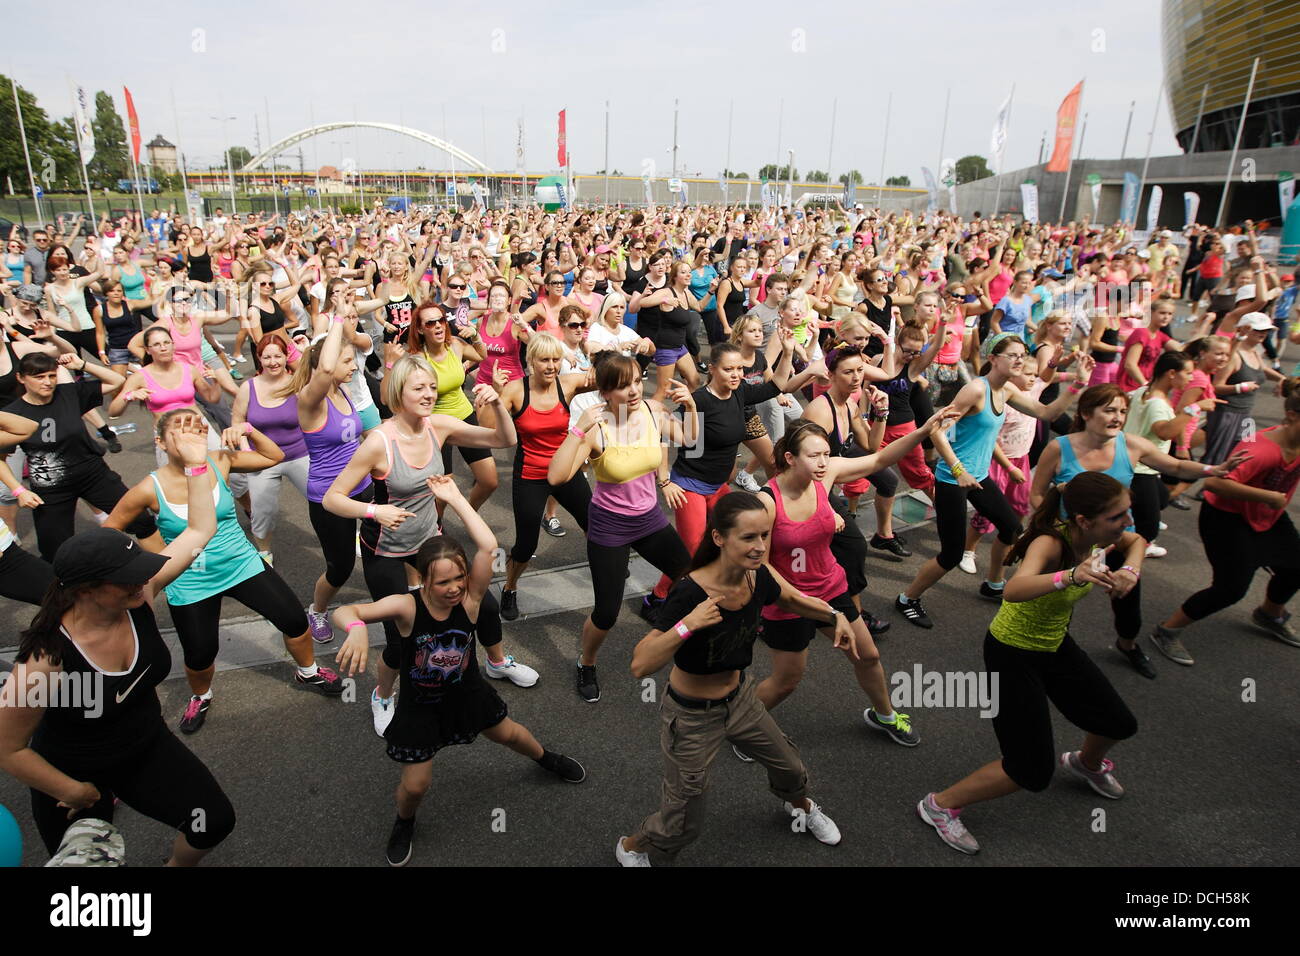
(1015, 315)
(1121, 469)
(229, 557)
(973, 438)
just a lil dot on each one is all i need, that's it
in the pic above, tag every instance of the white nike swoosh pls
(121, 697)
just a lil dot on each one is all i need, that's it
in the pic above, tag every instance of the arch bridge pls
(303, 134)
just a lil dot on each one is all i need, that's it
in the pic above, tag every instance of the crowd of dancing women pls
(1023, 381)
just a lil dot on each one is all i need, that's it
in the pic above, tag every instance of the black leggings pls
(1027, 680)
(162, 780)
(56, 519)
(950, 517)
(1236, 551)
(84, 340)
(849, 548)
(663, 549)
(468, 455)
(387, 576)
(338, 538)
(529, 502)
(24, 576)
(265, 593)
(1149, 495)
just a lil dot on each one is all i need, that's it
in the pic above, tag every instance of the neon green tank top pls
(451, 376)
(1040, 624)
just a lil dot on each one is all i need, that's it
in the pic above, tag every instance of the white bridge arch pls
(283, 145)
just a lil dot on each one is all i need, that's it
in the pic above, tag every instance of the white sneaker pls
(1163, 526)
(240, 359)
(967, 562)
(747, 481)
(627, 857)
(382, 711)
(1155, 551)
(817, 823)
(521, 675)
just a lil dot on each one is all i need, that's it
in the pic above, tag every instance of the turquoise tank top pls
(1121, 469)
(973, 438)
(229, 557)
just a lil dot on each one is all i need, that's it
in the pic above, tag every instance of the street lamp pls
(230, 166)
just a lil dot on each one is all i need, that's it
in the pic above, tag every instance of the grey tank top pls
(1245, 401)
(405, 486)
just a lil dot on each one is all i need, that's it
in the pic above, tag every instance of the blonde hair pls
(853, 322)
(544, 345)
(740, 326)
(397, 377)
(1051, 318)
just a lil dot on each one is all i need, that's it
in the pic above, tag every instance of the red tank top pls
(540, 435)
(801, 552)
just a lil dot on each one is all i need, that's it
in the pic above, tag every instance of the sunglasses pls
(434, 323)
(264, 284)
(575, 325)
(557, 285)
(456, 288)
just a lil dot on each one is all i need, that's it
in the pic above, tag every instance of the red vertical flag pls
(561, 150)
(134, 122)
(1066, 118)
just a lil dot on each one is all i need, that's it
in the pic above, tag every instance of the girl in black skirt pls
(442, 698)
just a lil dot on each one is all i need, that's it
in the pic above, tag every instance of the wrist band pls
(1241, 387)
(958, 470)
(1074, 389)
(577, 432)
(682, 630)
(1206, 470)
(1073, 583)
(338, 320)
(1132, 570)
(17, 491)
(248, 428)
(370, 510)
(196, 471)
(356, 624)
(1058, 580)
(664, 482)
(1191, 409)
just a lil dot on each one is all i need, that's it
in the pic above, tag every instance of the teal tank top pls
(229, 557)
(973, 438)
(1121, 469)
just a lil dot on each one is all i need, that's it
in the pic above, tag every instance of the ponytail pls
(42, 640)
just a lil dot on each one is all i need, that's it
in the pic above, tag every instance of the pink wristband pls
(682, 630)
(1058, 580)
(248, 428)
(356, 624)
(195, 472)
(370, 511)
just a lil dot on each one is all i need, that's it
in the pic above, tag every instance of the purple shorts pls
(669, 356)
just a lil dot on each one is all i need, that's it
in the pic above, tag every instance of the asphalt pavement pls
(1210, 775)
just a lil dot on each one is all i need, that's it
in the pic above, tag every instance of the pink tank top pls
(801, 552)
(162, 400)
(503, 349)
(950, 354)
(189, 346)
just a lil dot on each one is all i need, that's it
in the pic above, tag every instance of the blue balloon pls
(11, 840)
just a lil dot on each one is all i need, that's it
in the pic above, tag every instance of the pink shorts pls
(1105, 373)
(1017, 495)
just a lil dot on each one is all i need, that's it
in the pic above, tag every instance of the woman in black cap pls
(96, 634)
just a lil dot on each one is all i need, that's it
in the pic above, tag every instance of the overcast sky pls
(483, 65)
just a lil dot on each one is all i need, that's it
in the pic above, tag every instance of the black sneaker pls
(649, 609)
(914, 612)
(1141, 663)
(552, 527)
(399, 842)
(324, 681)
(702, 367)
(566, 768)
(893, 545)
(990, 593)
(588, 689)
(509, 605)
(876, 625)
(111, 439)
(196, 712)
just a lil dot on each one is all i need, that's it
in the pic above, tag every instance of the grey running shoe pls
(1278, 627)
(946, 823)
(1168, 644)
(1103, 781)
(901, 729)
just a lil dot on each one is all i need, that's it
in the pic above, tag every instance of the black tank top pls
(124, 715)
(1109, 337)
(121, 328)
(9, 387)
(735, 303)
(841, 447)
(633, 276)
(274, 320)
(438, 659)
(398, 312)
(200, 266)
(899, 390)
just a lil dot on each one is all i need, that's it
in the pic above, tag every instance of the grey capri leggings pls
(264, 490)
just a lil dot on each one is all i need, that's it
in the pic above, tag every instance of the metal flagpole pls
(943, 136)
(176, 119)
(22, 132)
(830, 149)
(780, 122)
(1236, 144)
(884, 147)
(1200, 112)
(607, 152)
(1123, 150)
(1069, 166)
(1150, 136)
(726, 169)
(997, 198)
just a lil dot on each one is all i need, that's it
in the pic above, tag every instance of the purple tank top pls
(280, 424)
(331, 448)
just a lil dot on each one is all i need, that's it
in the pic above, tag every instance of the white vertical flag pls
(1153, 208)
(85, 132)
(998, 142)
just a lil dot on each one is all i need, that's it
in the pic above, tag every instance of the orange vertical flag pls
(1066, 119)
(135, 125)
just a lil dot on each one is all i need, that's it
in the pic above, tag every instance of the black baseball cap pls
(105, 554)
